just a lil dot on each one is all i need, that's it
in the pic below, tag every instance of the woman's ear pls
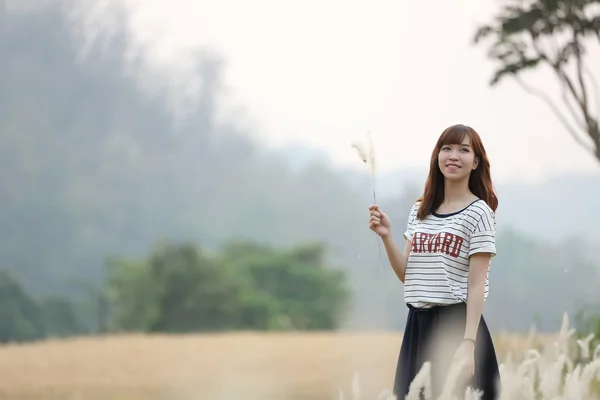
(475, 163)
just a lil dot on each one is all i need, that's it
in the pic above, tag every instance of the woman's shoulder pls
(481, 208)
(415, 207)
(481, 213)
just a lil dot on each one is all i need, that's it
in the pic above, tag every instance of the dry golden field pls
(249, 366)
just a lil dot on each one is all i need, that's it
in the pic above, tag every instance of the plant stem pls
(379, 262)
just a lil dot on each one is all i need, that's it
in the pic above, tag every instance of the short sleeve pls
(483, 239)
(412, 219)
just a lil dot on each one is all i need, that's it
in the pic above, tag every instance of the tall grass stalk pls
(367, 156)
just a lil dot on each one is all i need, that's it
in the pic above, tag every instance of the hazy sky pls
(323, 73)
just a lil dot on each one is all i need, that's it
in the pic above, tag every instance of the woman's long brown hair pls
(480, 181)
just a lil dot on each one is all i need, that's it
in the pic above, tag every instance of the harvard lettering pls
(442, 242)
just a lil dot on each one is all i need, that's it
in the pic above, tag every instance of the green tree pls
(179, 288)
(131, 293)
(20, 316)
(526, 35)
(194, 293)
(59, 317)
(306, 293)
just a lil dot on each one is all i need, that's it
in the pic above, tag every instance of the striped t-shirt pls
(438, 264)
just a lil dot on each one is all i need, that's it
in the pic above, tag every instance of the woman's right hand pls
(379, 222)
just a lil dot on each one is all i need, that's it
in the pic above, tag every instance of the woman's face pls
(456, 161)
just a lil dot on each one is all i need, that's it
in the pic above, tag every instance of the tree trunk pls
(594, 132)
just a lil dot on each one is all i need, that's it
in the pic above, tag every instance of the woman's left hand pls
(465, 354)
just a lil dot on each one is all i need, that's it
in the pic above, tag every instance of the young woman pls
(448, 247)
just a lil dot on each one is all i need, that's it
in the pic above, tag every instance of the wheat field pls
(247, 365)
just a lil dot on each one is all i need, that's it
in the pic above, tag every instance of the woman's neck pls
(457, 192)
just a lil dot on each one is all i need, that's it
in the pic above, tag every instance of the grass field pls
(249, 366)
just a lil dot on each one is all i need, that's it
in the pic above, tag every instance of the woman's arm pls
(380, 224)
(397, 259)
(478, 268)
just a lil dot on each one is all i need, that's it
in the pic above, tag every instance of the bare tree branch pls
(581, 99)
(567, 80)
(579, 67)
(564, 94)
(592, 79)
(554, 62)
(590, 120)
(546, 99)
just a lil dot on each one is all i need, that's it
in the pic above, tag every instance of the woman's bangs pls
(454, 135)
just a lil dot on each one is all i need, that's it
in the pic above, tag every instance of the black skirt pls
(434, 335)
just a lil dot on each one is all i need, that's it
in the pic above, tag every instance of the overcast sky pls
(323, 73)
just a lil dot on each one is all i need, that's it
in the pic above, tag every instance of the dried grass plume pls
(562, 369)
